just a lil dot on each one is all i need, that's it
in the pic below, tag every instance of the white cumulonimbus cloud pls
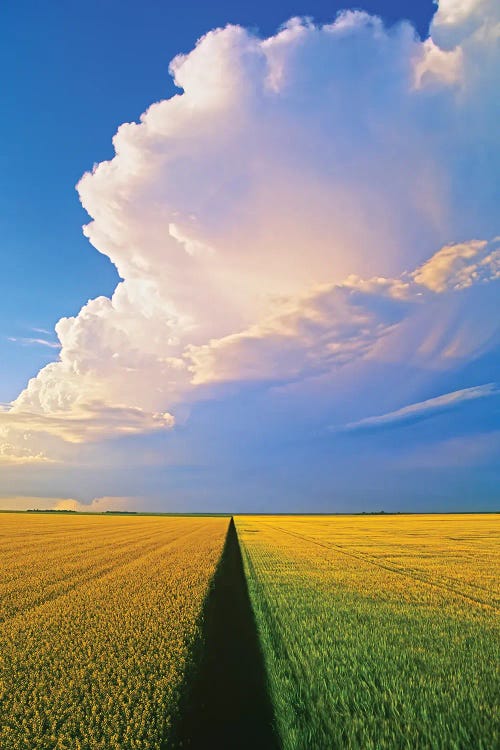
(281, 215)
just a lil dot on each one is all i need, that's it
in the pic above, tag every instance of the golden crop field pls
(98, 617)
(378, 631)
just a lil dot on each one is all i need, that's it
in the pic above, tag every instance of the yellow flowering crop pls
(98, 616)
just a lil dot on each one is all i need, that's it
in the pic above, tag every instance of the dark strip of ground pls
(226, 703)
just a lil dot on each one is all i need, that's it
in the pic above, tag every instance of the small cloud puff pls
(27, 502)
(98, 505)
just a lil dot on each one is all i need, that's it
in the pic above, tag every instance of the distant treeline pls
(55, 510)
(48, 510)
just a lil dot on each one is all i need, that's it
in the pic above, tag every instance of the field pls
(378, 631)
(99, 615)
(294, 632)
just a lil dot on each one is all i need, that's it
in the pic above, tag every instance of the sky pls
(251, 256)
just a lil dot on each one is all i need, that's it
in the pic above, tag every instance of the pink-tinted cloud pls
(276, 218)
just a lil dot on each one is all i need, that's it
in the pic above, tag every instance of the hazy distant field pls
(306, 633)
(378, 631)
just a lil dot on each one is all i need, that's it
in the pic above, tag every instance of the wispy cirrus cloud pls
(423, 409)
(30, 341)
(45, 331)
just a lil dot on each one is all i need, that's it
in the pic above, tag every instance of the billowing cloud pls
(461, 265)
(278, 218)
(336, 324)
(91, 420)
(329, 327)
(14, 453)
(436, 66)
(22, 431)
(462, 21)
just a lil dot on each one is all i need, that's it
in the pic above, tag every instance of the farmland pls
(378, 632)
(99, 617)
(293, 632)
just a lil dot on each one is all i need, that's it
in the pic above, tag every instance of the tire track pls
(385, 566)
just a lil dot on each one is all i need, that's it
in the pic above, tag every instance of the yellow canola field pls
(98, 616)
(378, 631)
(451, 559)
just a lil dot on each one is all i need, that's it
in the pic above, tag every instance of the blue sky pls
(337, 223)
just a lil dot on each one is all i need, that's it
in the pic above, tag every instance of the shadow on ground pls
(226, 703)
